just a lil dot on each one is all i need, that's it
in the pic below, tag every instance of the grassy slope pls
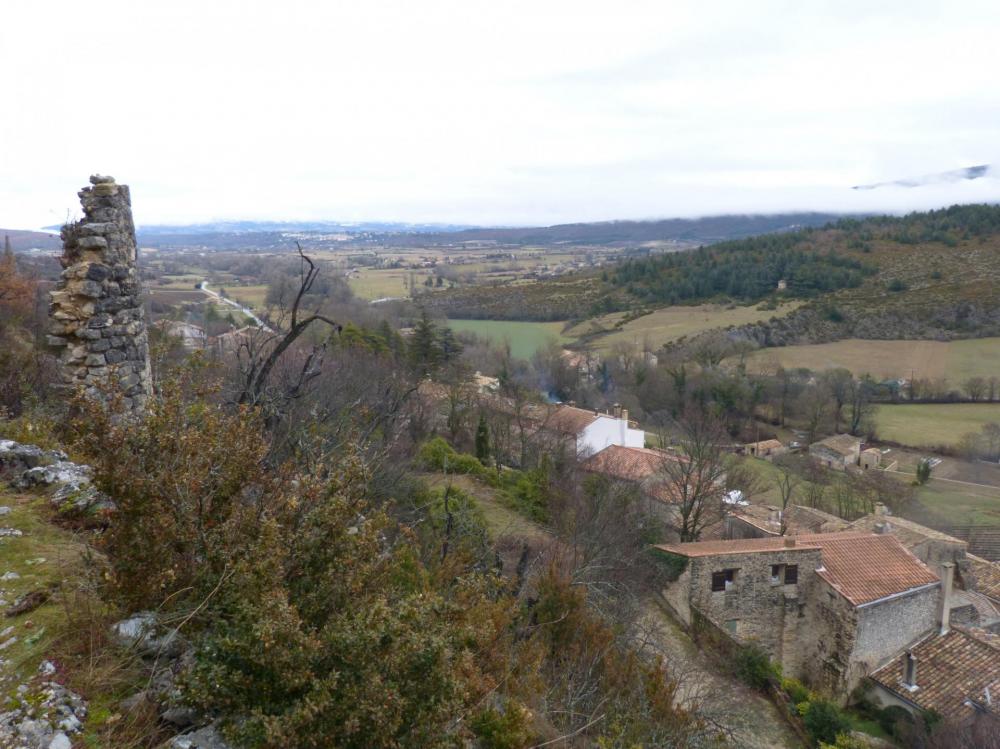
(672, 323)
(43, 556)
(954, 360)
(920, 424)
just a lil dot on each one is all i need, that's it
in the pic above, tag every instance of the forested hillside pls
(924, 274)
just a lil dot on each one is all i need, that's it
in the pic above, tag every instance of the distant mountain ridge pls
(955, 175)
(279, 235)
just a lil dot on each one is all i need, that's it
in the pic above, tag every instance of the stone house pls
(766, 449)
(870, 458)
(955, 673)
(192, 337)
(830, 608)
(838, 451)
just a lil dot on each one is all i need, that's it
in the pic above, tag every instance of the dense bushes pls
(753, 667)
(824, 720)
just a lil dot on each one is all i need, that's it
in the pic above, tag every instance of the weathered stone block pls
(98, 272)
(95, 360)
(92, 243)
(100, 345)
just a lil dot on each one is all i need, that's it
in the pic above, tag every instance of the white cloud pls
(485, 112)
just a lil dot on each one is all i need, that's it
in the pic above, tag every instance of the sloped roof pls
(842, 444)
(987, 576)
(951, 669)
(909, 533)
(765, 445)
(627, 463)
(570, 419)
(862, 567)
(866, 567)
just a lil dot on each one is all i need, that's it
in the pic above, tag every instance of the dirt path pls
(752, 719)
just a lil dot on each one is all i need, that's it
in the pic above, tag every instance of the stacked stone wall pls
(97, 319)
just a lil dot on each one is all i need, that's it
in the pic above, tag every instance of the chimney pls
(880, 509)
(625, 415)
(882, 528)
(789, 542)
(616, 410)
(909, 670)
(947, 577)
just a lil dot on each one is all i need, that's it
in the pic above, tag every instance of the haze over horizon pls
(472, 113)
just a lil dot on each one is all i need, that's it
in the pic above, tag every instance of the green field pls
(930, 424)
(670, 323)
(525, 337)
(942, 502)
(954, 360)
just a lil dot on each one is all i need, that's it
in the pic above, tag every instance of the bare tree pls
(787, 483)
(261, 351)
(696, 476)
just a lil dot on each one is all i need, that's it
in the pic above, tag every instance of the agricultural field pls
(525, 337)
(930, 424)
(248, 296)
(377, 283)
(955, 361)
(671, 323)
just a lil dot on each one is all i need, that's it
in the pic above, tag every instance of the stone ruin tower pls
(97, 320)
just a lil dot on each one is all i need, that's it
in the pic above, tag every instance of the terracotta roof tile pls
(862, 567)
(842, 444)
(987, 576)
(951, 669)
(627, 463)
(865, 568)
(737, 546)
(570, 420)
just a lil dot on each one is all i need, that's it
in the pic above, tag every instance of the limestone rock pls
(209, 737)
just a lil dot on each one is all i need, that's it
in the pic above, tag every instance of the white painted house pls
(593, 431)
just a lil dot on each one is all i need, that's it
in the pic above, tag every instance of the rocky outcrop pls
(42, 714)
(29, 466)
(97, 320)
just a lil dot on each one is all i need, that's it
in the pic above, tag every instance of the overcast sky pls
(492, 112)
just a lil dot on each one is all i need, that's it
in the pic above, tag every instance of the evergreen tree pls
(424, 350)
(450, 348)
(483, 440)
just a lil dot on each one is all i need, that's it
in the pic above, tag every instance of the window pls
(776, 574)
(732, 626)
(723, 580)
(791, 574)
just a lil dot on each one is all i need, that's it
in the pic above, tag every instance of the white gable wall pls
(605, 431)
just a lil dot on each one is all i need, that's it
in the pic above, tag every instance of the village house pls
(766, 449)
(839, 451)
(830, 608)
(192, 337)
(592, 431)
(870, 458)
(954, 672)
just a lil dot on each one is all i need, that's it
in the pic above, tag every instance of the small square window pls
(724, 580)
(732, 626)
(791, 574)
(776, 574)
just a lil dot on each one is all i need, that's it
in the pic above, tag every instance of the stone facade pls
(97, 320)
(757, 607)
(847, 642)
